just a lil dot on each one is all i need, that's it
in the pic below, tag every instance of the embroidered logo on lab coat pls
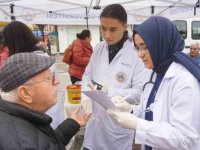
(121, 77)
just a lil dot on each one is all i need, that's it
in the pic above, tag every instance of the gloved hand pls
(121, 105)
(96, 86)
(125, 119)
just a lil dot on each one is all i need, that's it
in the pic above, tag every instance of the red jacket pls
(82, 50)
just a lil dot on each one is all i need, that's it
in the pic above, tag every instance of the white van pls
(190, 30)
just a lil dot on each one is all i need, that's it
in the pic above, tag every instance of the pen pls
(127, 96)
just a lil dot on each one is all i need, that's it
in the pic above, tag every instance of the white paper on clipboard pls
(101, 98)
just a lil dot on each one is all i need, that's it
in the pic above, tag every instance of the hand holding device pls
(97, 86)
(121, 104)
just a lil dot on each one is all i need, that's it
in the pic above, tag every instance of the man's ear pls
(25, 94)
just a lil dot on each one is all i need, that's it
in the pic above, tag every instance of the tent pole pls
(196, 6)
(152, 9)
(86, 17)
(12, 17)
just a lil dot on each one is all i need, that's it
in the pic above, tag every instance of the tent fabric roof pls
(74, 12)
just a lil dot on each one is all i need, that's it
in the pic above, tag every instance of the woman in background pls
(82, 50)
(3, 50)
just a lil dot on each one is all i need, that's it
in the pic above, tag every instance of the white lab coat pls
(176, 121)
(125, 74)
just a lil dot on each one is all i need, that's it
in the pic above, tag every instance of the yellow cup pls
(74, 94)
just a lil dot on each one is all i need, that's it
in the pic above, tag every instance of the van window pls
(195, 30)
(182, 27)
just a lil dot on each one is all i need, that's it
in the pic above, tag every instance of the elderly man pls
(194, 51)
(28, 89)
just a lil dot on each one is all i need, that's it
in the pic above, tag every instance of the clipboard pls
(101, 98)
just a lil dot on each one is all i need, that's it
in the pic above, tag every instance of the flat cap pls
(21, 67)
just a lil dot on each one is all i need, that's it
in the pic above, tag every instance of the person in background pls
(40, 42)
(82, 51)
(47, 43)
(24, 80)
(3, 50)
(119, 70)
(194, 51)
(19, 38)
(168, 115)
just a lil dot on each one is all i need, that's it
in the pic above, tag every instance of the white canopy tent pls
(81, 12)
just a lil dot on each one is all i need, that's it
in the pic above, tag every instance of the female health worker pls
(170, 106)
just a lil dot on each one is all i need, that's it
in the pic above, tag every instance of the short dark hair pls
(19, 38)
(83, 34)
(115, 11)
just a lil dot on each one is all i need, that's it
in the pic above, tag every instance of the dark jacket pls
(82, 50)
(24, 129)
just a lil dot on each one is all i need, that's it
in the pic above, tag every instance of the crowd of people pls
(152, 83)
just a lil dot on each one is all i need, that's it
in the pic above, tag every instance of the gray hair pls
(12, 96)
(195, 43)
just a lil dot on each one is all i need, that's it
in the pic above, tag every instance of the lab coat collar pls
(172, 70)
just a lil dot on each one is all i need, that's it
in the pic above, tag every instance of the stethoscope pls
(149, 82)
(150, 108)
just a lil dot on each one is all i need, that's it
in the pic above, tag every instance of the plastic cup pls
(74, 94)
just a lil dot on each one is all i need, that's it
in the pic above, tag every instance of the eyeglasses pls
(142, 48)
(52, 78)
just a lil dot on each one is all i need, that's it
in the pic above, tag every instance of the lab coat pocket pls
(116, 129)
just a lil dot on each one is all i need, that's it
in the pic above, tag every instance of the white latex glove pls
(125, 119)
(94, 87)
(87, 105)
(121, 105)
